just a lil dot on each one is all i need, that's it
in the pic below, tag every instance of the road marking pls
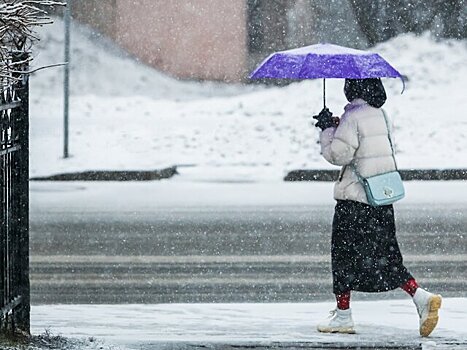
(144, 281)
(200, 259)
(149, 282)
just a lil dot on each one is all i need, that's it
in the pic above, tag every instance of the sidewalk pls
(389, 324)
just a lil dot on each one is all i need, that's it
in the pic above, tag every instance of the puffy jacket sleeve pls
(338, 145)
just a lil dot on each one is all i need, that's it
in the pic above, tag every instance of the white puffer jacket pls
(361, 138)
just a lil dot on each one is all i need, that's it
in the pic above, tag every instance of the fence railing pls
(14, 212)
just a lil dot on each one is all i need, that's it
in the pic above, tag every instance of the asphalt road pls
(228, 254)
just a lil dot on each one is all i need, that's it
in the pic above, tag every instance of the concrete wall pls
(205, 39)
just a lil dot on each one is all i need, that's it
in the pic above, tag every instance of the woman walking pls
(364, 249)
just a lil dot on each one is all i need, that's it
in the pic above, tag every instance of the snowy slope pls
(125, 115)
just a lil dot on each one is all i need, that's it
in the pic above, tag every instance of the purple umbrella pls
(324, 61)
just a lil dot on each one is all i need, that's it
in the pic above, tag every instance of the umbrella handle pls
(324, 93)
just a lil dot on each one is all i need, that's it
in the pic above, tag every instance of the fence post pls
(3, 226)
(22, 315)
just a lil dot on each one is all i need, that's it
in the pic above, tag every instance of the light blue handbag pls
(383, 189)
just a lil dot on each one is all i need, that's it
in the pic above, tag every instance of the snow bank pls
(125, 115)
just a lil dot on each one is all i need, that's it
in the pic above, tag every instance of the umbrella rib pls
(355, 67)
(303, 66)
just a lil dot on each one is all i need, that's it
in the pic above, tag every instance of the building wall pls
(201, 39)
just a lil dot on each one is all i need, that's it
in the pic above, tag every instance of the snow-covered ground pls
(125, 115)
(385, 323)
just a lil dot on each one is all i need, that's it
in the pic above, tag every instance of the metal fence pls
(14, 213)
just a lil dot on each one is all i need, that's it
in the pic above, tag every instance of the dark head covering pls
(370, 90)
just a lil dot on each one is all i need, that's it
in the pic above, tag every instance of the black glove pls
(325, 119)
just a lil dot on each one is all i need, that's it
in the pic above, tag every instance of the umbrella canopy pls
(324, 61)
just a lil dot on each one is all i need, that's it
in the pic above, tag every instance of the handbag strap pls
(359, 176)
(389, 138)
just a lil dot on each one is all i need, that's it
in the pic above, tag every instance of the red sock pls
(410, 287)
(343, 300)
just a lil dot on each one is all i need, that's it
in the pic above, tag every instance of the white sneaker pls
(427, 305)
(338, 321)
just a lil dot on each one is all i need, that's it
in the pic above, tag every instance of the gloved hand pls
(325, 119)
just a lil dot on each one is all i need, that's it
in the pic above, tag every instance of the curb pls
(406, 174)
(105, 175)
(294, 175)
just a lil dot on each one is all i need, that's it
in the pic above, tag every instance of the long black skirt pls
(365, 252)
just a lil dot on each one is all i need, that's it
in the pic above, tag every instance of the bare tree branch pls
(18, 20)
